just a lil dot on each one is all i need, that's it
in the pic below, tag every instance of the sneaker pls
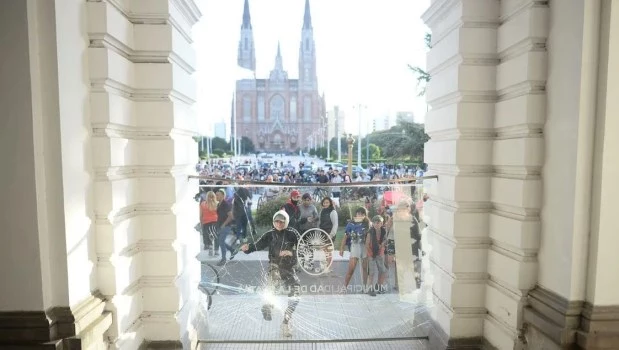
(233, 253)
(286, 331)
(210, 252)
(217, 253)
(221, 262)
(266, 312)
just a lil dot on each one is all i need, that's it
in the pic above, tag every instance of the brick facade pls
(279, 114)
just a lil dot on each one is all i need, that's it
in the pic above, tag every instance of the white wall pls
(46, 116)
(21, 287)
(603, 278)
(74, 105)
(568, 146)
(140, 63)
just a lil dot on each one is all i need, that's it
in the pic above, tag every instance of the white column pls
(462, 96)
(141, 62)
(48, 272)
(603, 278)
(517, 159)
(24, 253)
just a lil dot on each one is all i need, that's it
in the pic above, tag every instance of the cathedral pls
(277, 113)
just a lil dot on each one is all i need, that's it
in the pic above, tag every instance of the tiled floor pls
(325, 318)
(321, 317)
(366, 345)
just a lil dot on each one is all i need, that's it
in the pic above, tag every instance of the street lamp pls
(327, 136)
(359, 107)
(350, 141)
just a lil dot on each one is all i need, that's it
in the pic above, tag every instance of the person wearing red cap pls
(292, 209)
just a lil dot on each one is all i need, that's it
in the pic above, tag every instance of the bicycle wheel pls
(314, 250)
(260, 202)
(210, 279)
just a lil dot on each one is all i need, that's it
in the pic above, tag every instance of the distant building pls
(381, 123)
(335, 122)
(278, 113)
(220, 130)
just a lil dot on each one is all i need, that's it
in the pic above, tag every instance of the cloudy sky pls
(363, 48)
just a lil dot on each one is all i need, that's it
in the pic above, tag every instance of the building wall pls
(335, 115)
(77, 162)
(520, 91)
(602, 276)
(488, 67)
(21, 239)
(141, 64)
(295, 130)
(220, 130)
(58, 282)
(568, 156)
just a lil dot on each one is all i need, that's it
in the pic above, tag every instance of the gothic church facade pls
(277, 113)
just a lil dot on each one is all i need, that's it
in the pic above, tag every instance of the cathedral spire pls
(279, 62)
(307, 51)
(307, 17)
(246, 53)
(246, 16)
(278, 73)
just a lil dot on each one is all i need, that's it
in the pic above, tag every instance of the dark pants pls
(209, 235)
(241, 228)
(287, 278)
(223, 233)
(250, 218)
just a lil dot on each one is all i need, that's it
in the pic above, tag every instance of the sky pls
(363, 48)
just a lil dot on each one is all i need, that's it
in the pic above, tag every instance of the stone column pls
(27, 284)
(554, 311)
(39, 257)
(141, 65)
(462, 94)
(517, 159)
(600, 317)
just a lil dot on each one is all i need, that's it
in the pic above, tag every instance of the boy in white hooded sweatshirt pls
(282, 243)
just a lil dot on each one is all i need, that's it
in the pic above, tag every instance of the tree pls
(423, 77)
(321, 152)
(374, 151)
(333, 144)
(408, 141)
(404, 141)
(219, 143)
(247, 145)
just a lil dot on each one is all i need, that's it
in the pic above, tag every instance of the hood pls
(280, 214)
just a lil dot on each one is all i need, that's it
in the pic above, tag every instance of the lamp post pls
(367, 149)
(328, 138)
(209, 145)
(337, 133)
(359, 107)
(350, 141)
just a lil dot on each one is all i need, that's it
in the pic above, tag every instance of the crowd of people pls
(226, 220)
